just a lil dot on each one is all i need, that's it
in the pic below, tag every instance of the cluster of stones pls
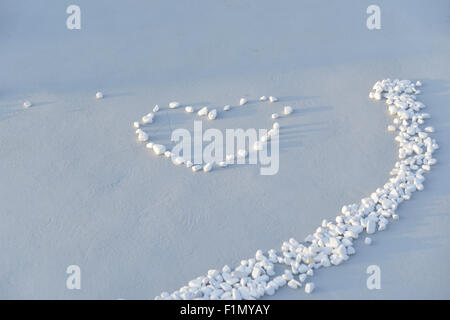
(211, 114)
(332, 242)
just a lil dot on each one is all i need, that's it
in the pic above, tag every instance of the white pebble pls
(148, 118)
(174, 105)
(263, 98)
(159, 149)
(287, 110)
(27, 104)
(178, 161)
(189, 109)
(229, 157)
(99, 95)
(309, 287)
(136, 124)
(391, 128)
(227, 107)
(242, 153)
(276, 125)
(149, 145)
(142, 137)
(275, 115)
(189, 164)
(273, 99)
(167, 154)
(418, 84)
(242, 101)
(222, 164)
(196, 168)
(429, 129)
(368, 241)
(203, 111)
(212, 114)
(156, 108)
(294, 284)
(258, 145)
(207, 167)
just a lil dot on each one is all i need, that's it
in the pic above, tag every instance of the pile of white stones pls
(332, 242)
(211, 114)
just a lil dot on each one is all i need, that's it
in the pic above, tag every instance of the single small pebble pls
(212, 114)
(263, 98)
(418, 84)
(242, 153)
(276, 125)
(159, 149)
(242, 101)
(147, 118)
(136, 124)
(429, 129)
(229, 157)
(222, 164)
(275, 115)
(196, 168)
(391, 128)
(309, 287)
(287, 110)
(167, 154)
(203, 111)
(178, 161)
(273, 99)
(174, 105)
(99, 95)
(149, 145)
(368, 241)
(156, 108)
(258, 145)
(142, 136)
(207, 167)
(395, 216)
(188, 164)
(227, 107)
(27, 104)
(189, 109)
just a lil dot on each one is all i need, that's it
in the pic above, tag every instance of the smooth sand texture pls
(76, 187)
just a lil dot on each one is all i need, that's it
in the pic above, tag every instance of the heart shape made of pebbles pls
(211, 114)
(332, 242)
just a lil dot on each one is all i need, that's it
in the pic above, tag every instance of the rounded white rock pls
(27, 104)
(189, 109)
(99, 95)
(275, 115)
(276, 125)
(242, 153)
(287, 110)
(196, 168)
(242, 101)
(263, 98)
(309, 287)
(212, 114)
(174, 104)
(203, 111)
(136, 124)
(156, 108)
(159, 149)
(227, 107)
(142, 136)
(273, 99)
(188, 164)
(368, 241)
(207, 167)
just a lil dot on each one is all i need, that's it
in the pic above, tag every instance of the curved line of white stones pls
(160, 149)
(332, 242)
